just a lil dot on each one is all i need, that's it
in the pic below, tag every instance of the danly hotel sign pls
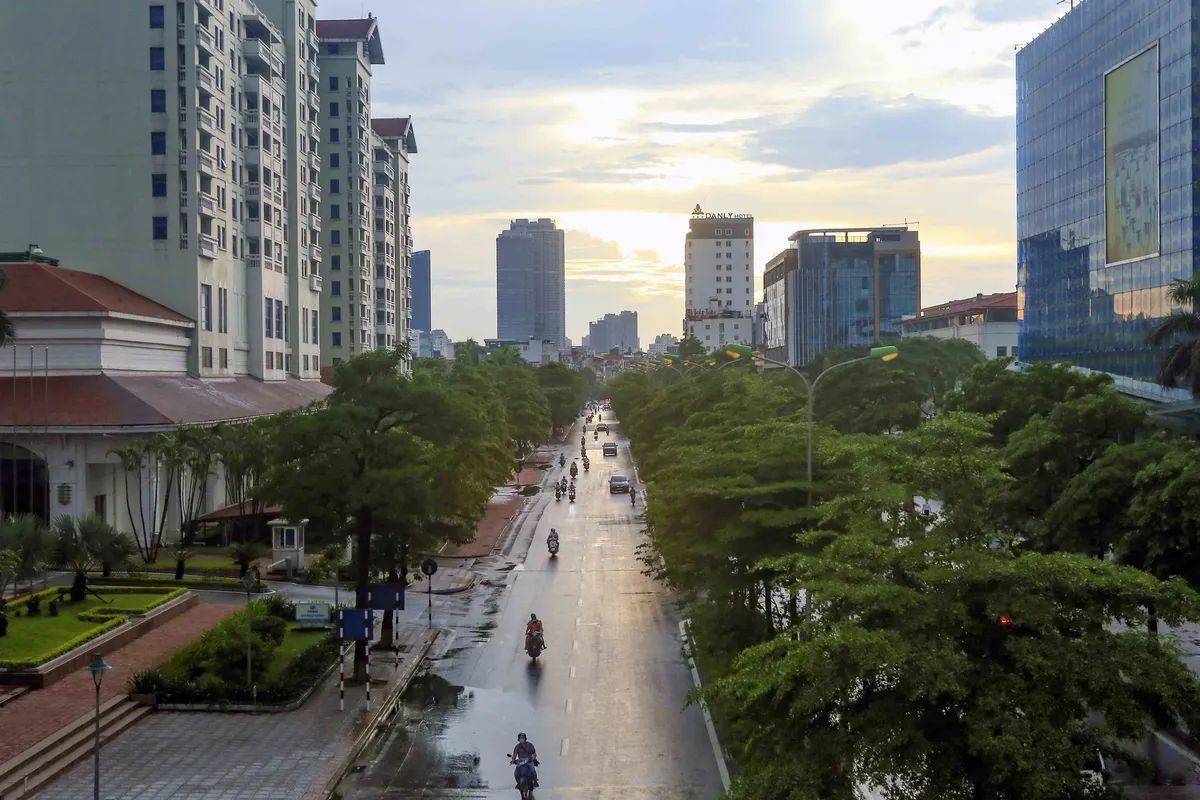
(697, 213)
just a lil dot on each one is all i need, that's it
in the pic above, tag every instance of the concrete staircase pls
(33, 770)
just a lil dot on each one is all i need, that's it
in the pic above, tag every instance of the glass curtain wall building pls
(1106, 129)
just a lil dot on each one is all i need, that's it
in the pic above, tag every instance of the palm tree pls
(87, 543)
(8, 331)
(27, 536)
(1181, 367)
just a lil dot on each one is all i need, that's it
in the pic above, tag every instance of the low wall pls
(55, 670)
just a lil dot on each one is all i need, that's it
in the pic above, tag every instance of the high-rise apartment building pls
(614, 331)
(851, 288)
(393, 226)
(422, 318)
(192, 181)
(1106, 181)
(719, 279)
(531, 282)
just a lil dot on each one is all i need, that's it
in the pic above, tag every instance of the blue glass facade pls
(1082, 297)
(422, 312)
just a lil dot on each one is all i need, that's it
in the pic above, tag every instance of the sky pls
(617, 117)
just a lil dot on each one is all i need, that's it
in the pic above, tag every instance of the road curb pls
(386, 710)
(718, 751)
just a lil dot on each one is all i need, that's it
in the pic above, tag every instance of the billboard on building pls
(1131, 158)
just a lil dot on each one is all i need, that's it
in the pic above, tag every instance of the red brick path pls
(38, 714)
(495, 520)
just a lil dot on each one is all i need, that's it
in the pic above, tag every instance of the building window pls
(335, 186)
(306, 363)
(333, 134)
(222, 310)
(267, 306)
(335, 263)
(335, 313)
(160, 227)
(333, 83)
(206, 357)
(334, 160)
(336, 338)
(1001, 352)
(158, 143)
(332, 48)
(206, 309)
(158, 185)
(333, 109)
(158, 101)
(314, 327)
(335, 211)
(157, 18)
(335, 237)
(224, 358)
(335, 288)
(278, 319)
(158, 63)
(270, 360)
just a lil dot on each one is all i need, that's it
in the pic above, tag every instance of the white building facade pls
(394, 141)
(719, 279)
(178, 189)
(987, 321)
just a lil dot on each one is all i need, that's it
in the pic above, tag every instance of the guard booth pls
(287, 544)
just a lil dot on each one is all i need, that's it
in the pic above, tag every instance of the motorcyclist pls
(553, 536)
(525, 749)
(632, 496)
(557, 492)
(534, 628)
(583, 441)
(562, 459)
(574, 469)
(595, 436)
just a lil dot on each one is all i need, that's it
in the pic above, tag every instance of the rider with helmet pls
(525, 749)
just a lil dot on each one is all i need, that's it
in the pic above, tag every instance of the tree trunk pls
(79, 587)
(387, 632)
(106, 569)
(179, 569)
(362, 585)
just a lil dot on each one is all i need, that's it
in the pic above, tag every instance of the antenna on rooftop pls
(35, 250)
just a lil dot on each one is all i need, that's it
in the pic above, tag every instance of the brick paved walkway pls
(36, 715)
(504, 505)
(214, 756)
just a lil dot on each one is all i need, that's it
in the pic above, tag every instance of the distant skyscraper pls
(719, 272)
(614, 331)
(422, 317)
(531, 282)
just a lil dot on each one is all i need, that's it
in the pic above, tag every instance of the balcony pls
(314, 71)
(181, 32)
(310, 38)
(364, 120)
(204, 38)
(264, 54)
(277, 196)
(314, 282)
(314, 159)
(206, 121)
(254, 227)
(207, 164)
(314, 252)
(253, 189)
(253, 155)
(314, 128)
(208, 204)
(314, 222)
(385, 166)
(314, 191)
(251, 119)
(205, 80)
(208, 246)
(256, 84)
(314, 100)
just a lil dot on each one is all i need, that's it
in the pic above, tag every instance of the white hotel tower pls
(719, 284)
(173, 147)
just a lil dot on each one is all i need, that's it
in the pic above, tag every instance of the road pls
(605, 704)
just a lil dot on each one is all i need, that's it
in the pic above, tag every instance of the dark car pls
(618, 484)
(602, 428)
(610, 448)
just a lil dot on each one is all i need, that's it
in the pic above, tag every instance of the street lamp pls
(98, 667)
(739, 351)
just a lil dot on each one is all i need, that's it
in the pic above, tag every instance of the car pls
(618, 484)
(610, 448)
(602, 428)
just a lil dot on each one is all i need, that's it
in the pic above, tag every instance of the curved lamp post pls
(741, 351)
(97, 667)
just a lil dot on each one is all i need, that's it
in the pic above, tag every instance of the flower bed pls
(160, 578)
(36, 638)
(286, 661)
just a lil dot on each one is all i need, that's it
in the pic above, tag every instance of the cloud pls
(863, 132)
(937, 15)
(989, 11)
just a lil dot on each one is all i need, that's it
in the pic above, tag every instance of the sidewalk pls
(35, 715)
(505, 504)
(215, 756)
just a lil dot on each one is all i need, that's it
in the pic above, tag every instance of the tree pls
(565, 392)
(938, 664)
(1181, 366)
(10, 563)
(243, 451)
(526, 409)
(145, 460)
(27, 536)
(191, 453)
(85, 544)
(469, 352)
(691, 348)
(506, 356)
(869, 397)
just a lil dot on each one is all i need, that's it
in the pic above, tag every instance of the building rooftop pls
(357, 30)
(972, 305)
(37, 286)
(835, 230)
(396, 128)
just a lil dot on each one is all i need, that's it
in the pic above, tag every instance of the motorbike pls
(571, 494)
(595, 436)
(524, 775)
(586, 465)
(574, 469)
(632, 497)
(557, 492)
(535, 646)
(562, 460)
(552, 546)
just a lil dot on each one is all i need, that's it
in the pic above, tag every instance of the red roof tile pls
(344, 28)
(391, 127)
(971, 305)
(35, 287)
(78, 401)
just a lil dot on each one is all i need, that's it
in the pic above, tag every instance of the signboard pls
(1131, 158)
(386, 596)
(312, 613)
(429, 566)
(355, 624)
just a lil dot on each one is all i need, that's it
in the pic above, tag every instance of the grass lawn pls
(294, 644)
(203, 560)
(31, 638)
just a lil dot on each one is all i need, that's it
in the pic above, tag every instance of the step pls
(22, 776)
(10, 693)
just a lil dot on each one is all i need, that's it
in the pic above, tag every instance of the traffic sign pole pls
(429, 567)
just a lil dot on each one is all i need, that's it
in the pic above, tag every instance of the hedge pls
(62, 649)
(21, 602)
(102, 614)
(169, 579)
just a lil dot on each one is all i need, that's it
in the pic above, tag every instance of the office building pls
(779, 280)
(440, 344)
(531, 350)
(663, 344)
(614, 332)
(531, 282)
(987, 321)
(719, 279)
(1106, 181)
(170, 151)
(851, 287)
(422, 311)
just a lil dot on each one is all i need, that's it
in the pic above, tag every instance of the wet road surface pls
(604, 704)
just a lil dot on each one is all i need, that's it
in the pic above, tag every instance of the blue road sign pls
(355, 624)
(386, 596)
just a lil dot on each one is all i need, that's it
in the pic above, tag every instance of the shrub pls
(34, 604)
(225, 653)
(270, 628)
(277, 605)
(67, 646)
